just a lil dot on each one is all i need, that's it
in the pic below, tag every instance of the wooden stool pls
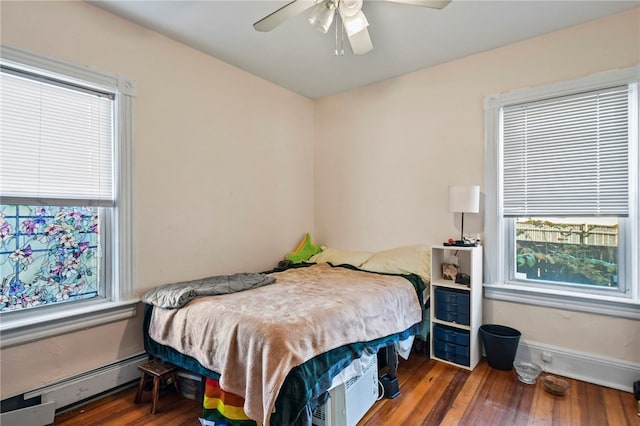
(158, 370)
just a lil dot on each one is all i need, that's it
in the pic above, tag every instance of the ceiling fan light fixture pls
(349, 7)
(351, 19)
(361, 42)
(322, 16)
(354, 24)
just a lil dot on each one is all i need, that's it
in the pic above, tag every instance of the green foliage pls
(573, 263)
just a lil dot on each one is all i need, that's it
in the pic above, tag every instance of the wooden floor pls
(432, 393)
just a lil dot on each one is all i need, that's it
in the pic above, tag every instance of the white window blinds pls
(567, 156)
(56, 142)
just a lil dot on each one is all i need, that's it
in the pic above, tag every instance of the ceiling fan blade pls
(360, 42)
(434, 4)
(287, 11)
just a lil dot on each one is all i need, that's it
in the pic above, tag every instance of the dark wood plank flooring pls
(432, 393)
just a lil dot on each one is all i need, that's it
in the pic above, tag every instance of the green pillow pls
(304, 251)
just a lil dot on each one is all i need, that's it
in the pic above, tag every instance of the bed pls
(279, 345)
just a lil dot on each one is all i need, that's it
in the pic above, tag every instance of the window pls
(65, 152)
(562, 194)
(574, 252)
(50, 255)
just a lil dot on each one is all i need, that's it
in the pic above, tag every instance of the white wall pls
(385, 155)
(221, 169)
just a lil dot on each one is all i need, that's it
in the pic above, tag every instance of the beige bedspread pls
(254, 338)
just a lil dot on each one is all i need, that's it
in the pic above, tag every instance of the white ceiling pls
(405, 38)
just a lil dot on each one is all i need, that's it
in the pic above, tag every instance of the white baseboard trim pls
(597, 369)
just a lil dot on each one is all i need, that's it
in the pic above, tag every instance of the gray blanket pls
(176, 295)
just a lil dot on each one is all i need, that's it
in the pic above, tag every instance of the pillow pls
(402, 260)
(341, 257)
(304, 251)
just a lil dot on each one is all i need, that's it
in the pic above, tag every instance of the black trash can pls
(500, 344)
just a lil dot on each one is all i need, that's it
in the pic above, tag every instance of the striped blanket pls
(224, 408)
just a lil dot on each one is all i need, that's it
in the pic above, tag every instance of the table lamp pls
(464, 199)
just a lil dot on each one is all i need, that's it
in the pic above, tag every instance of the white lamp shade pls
(464, 199)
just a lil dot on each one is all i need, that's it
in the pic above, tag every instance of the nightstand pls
(456, 308)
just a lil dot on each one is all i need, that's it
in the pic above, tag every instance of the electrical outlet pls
(546, 357)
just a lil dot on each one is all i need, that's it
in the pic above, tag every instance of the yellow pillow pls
(304, 251)
(402, 260)
(341, 257)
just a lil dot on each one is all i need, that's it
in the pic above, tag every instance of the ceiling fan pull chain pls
(341, 25)
(335, 52)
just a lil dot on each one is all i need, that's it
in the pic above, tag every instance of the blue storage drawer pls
(452, 305)
(451, 335)
(451, 315)
(451, 352)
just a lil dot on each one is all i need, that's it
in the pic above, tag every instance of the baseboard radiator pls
(70, 391)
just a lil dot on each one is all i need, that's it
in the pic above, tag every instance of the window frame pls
(119, 301)
(497, 238)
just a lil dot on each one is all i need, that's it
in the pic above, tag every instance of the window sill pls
(611, 306)
(24, 330)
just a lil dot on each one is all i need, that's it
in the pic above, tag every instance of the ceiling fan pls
(349, 12)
